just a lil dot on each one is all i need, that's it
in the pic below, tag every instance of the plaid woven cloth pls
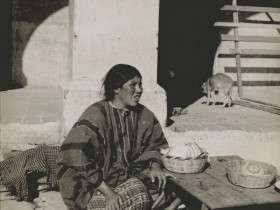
(14, 171)
(51, 153)
(133, 193)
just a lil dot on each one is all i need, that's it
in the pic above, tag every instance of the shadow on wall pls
(5, 43)
(27, 15)
(187, 46)
(188, 42)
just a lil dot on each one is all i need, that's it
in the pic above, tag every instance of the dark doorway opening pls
(187, 47)
(188, 42)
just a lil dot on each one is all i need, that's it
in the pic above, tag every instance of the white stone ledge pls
(79, 94)
(260, 146)
(18, 133)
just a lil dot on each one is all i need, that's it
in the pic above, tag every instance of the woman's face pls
(129, 94)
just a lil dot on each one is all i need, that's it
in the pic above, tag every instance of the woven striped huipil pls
(106, 144)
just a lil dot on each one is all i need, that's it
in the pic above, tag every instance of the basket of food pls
(187, 159)
(250, 173)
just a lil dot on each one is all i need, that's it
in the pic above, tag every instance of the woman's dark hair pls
(116, 77)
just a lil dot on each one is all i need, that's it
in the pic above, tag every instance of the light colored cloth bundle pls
(190, 151)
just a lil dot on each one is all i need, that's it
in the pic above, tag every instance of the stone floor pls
(213, 126)
(237, 130)
(34, 105)
(201, 117)
(30, 116)
(38, 105)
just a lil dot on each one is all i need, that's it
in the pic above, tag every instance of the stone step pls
(237, 130)
(252, 145)
(31, 115)
(19, 133)
(32, 105)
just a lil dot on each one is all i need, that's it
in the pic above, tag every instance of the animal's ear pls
(116, 91)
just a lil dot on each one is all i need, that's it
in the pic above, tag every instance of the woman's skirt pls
(133, 194)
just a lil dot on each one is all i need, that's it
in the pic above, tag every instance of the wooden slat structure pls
(250, 38)
(237, 56)
(246, 25)
(258, 83)
(237, 51)
(265, 70)
(255, 104)
(211, 189)
(254, 52)
(250, 9)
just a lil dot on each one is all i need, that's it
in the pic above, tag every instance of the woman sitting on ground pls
(110, 159)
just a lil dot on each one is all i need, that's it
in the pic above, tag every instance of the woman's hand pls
(157, 172)
(112, 201)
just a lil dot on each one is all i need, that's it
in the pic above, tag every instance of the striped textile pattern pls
(106, 144)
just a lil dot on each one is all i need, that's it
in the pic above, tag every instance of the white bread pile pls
(189, 151)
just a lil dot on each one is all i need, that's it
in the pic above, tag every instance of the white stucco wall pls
(106, 33)
(116, 31)
(79, 94)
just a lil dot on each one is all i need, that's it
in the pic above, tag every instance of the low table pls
(212, 190)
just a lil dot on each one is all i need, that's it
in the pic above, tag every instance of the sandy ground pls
(51, 201)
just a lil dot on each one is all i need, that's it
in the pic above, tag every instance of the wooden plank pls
(195, 187)
(237, 56)
(262, 102)
(204, 207)
(221, 159)
(250, 9)
(224, 55)
(257, 106)
(258, 70)
(250, 38)
(246, 25)
(214, 191)
(260, 196)
(254, 51)
(210, 191)
(258, 83)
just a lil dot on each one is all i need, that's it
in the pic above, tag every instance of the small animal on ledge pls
(179, 111)
(216, 84)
